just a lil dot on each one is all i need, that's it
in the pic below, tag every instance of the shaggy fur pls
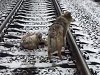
(57, 33)
(32, 41)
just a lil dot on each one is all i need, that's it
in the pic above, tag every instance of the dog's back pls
(65, 21)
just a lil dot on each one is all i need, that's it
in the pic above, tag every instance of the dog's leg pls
(64, 36)
(65, 41)
(49, 48)
(49, 53)
(59, 52)
(59, 47)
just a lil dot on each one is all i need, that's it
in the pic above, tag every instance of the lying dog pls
(57, 34)
(32, 41)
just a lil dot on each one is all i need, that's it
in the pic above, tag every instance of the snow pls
(5, 5)
(43, 65)
(87, 15)
(12, 65)
(87, 24)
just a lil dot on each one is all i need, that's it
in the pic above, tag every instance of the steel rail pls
(7, 20)
(80, 61)
(57, 7)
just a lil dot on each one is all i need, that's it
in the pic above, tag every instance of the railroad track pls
(36, 16)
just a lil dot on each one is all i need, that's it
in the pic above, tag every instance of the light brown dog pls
(55, 39)
(32, 41)
(57, 33)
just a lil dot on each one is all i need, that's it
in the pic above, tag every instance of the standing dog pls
(57, 33)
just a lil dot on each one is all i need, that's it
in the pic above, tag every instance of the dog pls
(57, 34)
(55, 39)
(32, 41)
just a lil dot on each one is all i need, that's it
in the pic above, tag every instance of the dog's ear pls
(64, 11)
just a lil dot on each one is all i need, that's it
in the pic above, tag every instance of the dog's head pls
(68, 16)
(39, 35)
